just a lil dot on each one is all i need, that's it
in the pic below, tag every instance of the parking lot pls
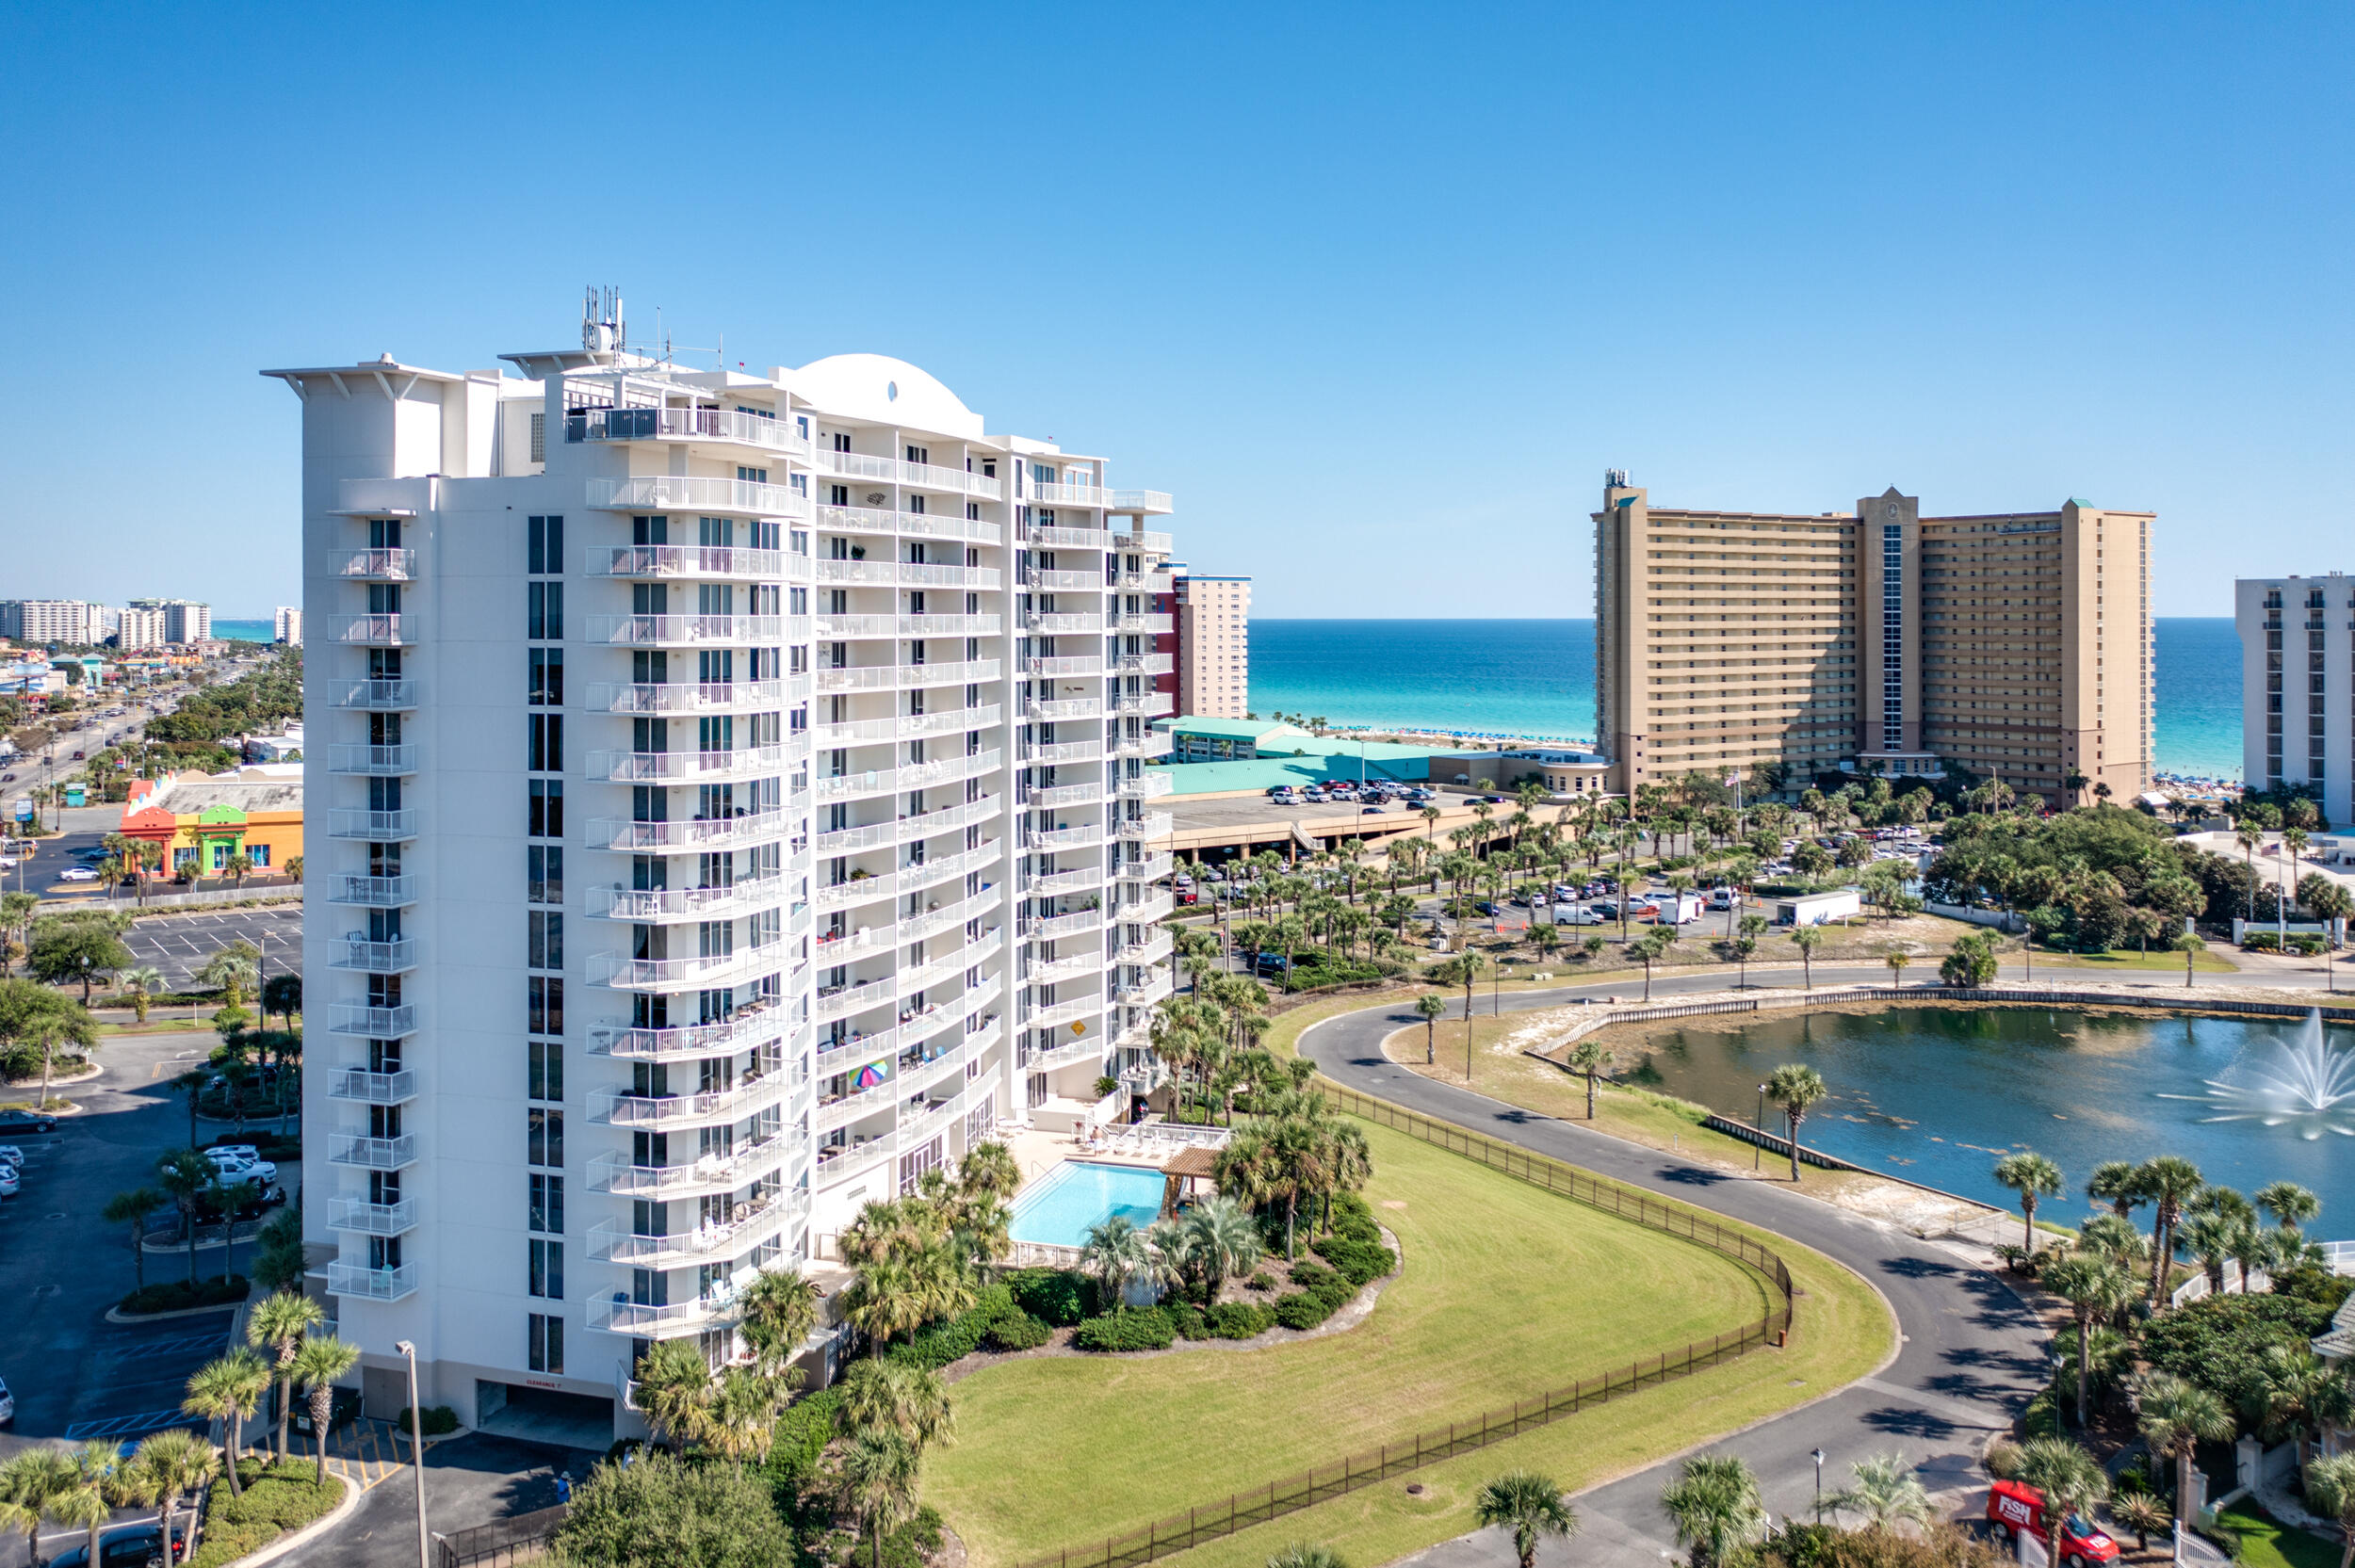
(179, 944)
(76, 1375)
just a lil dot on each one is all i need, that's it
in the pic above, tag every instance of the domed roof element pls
(886, 391)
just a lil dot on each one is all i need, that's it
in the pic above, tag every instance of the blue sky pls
(1378, 291)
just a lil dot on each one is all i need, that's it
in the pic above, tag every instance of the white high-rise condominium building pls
(2297, 686)
(735, 805)
(287, 627)
(1213, 617)
(185, 619)
(69, 620)
(138, 628)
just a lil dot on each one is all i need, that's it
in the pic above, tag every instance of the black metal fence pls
(525, 1538)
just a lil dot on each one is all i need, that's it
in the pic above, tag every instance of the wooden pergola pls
(1190, 1164)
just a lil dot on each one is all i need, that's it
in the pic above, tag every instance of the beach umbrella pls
(869, 1076)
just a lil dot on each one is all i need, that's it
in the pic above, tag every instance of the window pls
(544, 1069)
(543, 1136)
(547, 1333)
(544, 684)
(547, 1269)
(539, 440)
(543, 549)
(543, 1004)
(544, 873)
(544, 746)
(546, 818)
(543, 611)
(545, 944)
(259, 855)
(547, 1204)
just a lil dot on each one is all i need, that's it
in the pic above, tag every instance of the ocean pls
(244, 631)
(1536, 679)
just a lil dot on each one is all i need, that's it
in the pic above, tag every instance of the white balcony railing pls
(378, 761)
(373, 1089)
(375, 1023)
(731, 425)
(643, 493)
(1070, 496)
(1066, 750)
(1148, 784)
(906, 573)
(655, 905)
(1061, 623)
(378, 958)
(871, 520)
(746, 1031)
(1141, 501)
(345, 822)
(378, 631)
(912, 776)
(685, 697)
(381, 566)
(1064, 664)
(703, 970)
(368, 1219)
(688, 560)
(1083, 582)
(1047, 927)
(672, 631)
(687, 768)
(861, 466)
(615, 1110)
(694, 832)
(835, 627)
(373, 892)
(712, 1173)
(896, 677)
(372, 1153)
(763, 1220)
(1148, 825)
(381, 696)
(1078, 879)
(375, 1285)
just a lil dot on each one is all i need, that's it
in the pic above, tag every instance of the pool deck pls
(1037, 1153)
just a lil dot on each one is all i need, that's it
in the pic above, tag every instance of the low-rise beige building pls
(1784, 646)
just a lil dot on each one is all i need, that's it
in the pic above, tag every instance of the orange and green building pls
(202, 823)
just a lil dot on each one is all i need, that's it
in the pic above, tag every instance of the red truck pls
(2012, 1508)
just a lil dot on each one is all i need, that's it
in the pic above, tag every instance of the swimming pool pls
(1058, 1207)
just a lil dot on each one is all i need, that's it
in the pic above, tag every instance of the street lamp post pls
(416, 1448)
(1818, 1457)
(1758, 1148)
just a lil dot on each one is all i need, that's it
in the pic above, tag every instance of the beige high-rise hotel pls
(2017, 646)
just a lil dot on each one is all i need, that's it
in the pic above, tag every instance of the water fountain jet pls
(2306, 1086)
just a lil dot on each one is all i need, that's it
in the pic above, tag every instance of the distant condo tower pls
(1213, 624)
(732, 806)
(2297, 686)
(1879, 640)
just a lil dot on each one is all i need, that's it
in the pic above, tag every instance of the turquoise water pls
(244, 631)
(1536, 679)
(1060, 1206)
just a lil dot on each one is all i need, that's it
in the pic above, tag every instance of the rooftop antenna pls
(601, 323)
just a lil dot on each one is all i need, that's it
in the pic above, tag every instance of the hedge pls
(1146, 1329)
(1300, 1310)
(1060, 1297)
(1018, 1331)
(1239, 1319)
(960, 1336)
(277, 1502)
(440, 1420)
(179, 1295)
(799, 1440)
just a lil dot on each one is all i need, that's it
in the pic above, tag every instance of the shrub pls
(1059, 1297)
(915, 1543)
(960, 1336)
(1130, 1328)
(2262, 942)
(2042, 1416)
(799, 1440)
(1359, 1262)
(663, 1511)
(277, 1500)
(1334, 1290)
(440, 1420)
(1018, 1331)
(2219, 1341)
(1186, 1318)
(1238, 1319)
(1301, 1310)
(179, 1295)
(1260, 1280)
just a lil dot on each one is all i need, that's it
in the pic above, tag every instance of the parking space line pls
(120, 1426)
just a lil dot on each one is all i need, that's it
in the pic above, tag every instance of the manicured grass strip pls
(1507, 1290)
(2266, 1543)
(279, 1499)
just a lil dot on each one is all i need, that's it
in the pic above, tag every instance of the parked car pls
(11, 1182)
(28, 1122)
(77, 874)
(241, 1162)
(1722, 898)
(2013, 1508)
(1370, 810)
(12, 1157)
(1575, 914)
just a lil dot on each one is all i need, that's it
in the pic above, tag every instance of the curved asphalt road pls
(1970, 1354)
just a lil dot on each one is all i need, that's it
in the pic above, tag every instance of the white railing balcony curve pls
(671, 631)
(1066, 794)
(1078, 879)
(1143, 501)
(1146, 868)
(690, 834)
(657, 904)
(643, 493)
(1148, 784)
(1064, 707)
(921, 476)
(685, 697)
(1063, 664)
(1070, 496)
(1066, 750)
(731, 426)
(381, 696)
(749, 761)
(746, 1031)
(381, 566)
(688, 560)
(1148, 825)
(1061, 623)
(1072, 539)
(371, 1283)
(1082, 836)
(702, 971)
(615, 1110)
(1083, 582)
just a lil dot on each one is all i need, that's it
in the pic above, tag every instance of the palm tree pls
(2142, 1513)
(2176, 1417)
(2095, 1288)
(1115, 1253)
(34, 1483)
(142, 980)
(1431, 1006)
(1306, 1554)
(1650, 947)
(1897, 958)
(85, 1505)
(879, 1471)
(2251, 838)
(227, 1390)
(234, 970)
(132, 1208)
(1593, 1059)
(1807, 939)
(2071, 1479)
(2031, 1176)
(186, 1176)
(2290, 1204)
(1530, 1506)
(910, 1402)
(168, 1464)
(2113, 1183)
(1225, 1240)
(675, 1390)
(16, 918)
(2331, 1488)
(279, 1323)
(1714, 1505)
(2170, 1182)
(780, 1309)
(317, 1365)
(1884, 1489)
(743, 1415)
(1796, 1088)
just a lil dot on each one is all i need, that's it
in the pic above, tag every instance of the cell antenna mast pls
(601, 323)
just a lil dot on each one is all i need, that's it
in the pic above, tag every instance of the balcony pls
(1142, 582)
(1148, 827)
(689, 698)
(921, 476)
(711, 1173)
(763, 1220)
(616, 1313)
(396, 957)
(843, 841)
(910, 726)
(906, 573)
(839, 1161)
(747, 1031)
(373, 892)
(687, 1111)
(1144, 993)
(837, 1002)
(730, 426)
(1066, 750)
(844, 626)
(843, 1110)
(1152, 950)
(1068, 707)
(372, 631)
(1144, 868)
(896, 677)
(659, 904)
(1079, 880)
(372, 1153)
(1073, 539)
(704, 970)
(1047, 928)
(381, 566)
(372, 1285)
(1149, 625)
(916, 876)
(1056, 971)
(690, 834)
(373, 1089)
(687, 768)
(1070, 496)
(1061, 623)
(643, 493)
(684, 631)
(374, 761)
(373, 1022)
(1148, 784)
(1086, 835)
(383, 826)
(1145, 664)
(1145, 910)
(381, 696)
(1141, 502)
(366, 1218)
(1149, 743)
(1071, 1054)
(1074, 664)
(1145, 1077)
(1066, 795)
(688, 560)
(914, 776)
(1078, 582)
(909, 524)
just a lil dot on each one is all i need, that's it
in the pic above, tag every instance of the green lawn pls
(2207, 963)
(1507, 1290)
(2266, 1543)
